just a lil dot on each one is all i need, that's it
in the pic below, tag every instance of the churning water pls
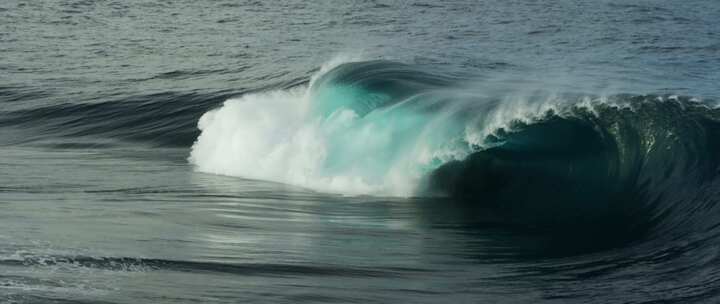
(359, 151)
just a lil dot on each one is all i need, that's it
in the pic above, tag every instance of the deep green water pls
(359, 151)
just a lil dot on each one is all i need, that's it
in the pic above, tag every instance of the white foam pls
(273, 136)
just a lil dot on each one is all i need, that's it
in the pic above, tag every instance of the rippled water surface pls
(359, 151)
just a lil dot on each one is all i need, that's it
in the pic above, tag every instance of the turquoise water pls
(373, 152)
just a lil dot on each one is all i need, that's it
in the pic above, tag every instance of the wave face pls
(620, 162)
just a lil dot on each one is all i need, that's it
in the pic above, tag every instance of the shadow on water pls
(563, 186)
(502, 238)
(556, 188)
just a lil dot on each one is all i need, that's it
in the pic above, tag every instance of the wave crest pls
(532, 157)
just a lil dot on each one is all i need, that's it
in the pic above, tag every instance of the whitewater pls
(322, 135)
(359, 152)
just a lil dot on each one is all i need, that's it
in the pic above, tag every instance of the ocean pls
(359, 151)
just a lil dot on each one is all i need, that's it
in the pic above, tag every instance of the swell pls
(159, 119)
(164, 119)
(619, 167)
(530, 154)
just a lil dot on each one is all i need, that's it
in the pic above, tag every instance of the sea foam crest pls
(273, 136)
(279, 136)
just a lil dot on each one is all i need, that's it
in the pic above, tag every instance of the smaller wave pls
(163, 119)
(9, 94)
(130, 264)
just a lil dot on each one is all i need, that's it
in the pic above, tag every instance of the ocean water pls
(359, 151)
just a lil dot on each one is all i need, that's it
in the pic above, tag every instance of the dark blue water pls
(359, 151)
